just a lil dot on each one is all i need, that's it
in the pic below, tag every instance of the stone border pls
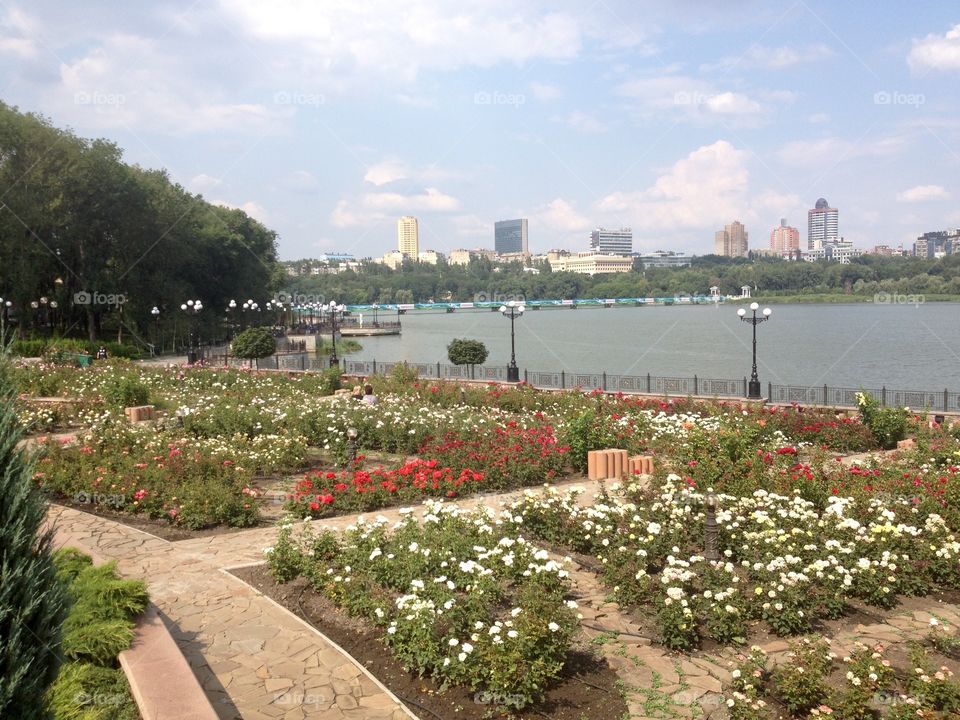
(161, 681)
(315, 631)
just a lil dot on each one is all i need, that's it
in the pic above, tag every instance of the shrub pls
(254, 343)
(33, 601)
(467, 352)
(888, 425)
(126, 390)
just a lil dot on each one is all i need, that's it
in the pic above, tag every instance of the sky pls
(328, 120)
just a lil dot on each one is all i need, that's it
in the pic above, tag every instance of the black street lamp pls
(193, 308)
(375, 308)
(754, 387)
(512, 310)
(5, 306)
(333, 309)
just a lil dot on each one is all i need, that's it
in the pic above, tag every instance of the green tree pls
(254, 343)
(467, 352)
(33, 602)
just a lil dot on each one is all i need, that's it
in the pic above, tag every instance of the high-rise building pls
(408, 236)
(823, 225)
(784, 239)
(612, 242)
(732, 240)
(510, 236)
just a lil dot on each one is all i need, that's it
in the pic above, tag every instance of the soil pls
(587, 689)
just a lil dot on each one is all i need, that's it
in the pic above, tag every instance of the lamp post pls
(754, 387)
(351, 446)
(192, 308)
(512, 310)
(252, 307)
(231, 314)
(711, 529)
(5, 306)
(333, 309)
(155, 312)
(375, 308)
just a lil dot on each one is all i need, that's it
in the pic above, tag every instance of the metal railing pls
(938, 400)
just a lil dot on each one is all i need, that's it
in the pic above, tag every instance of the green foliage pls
(126, 390)
(98, 629)
(888, 424)
(467, 352)
(33, 601)
(61, 350)
(254, 343)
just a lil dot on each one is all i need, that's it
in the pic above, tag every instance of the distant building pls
(937, 244)
(393, 259)
(823, 225)
(662, 258)
(732, 240)
(888, 251)
(510, 236)
(612, 242)
(459, 257)
(839, 252)
(784, 239)
(408, 236)
(431, 257)
(589, 263)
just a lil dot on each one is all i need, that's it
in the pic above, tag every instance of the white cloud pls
(922, 193)
(301, 180)
(775, 58)
(695, 99)
(831, 151)
(545, 91)
(16, 31)
(129, 81)
(203, 182)
(386, 36)
(938, 52)
(251, 208)
(431, 200)
(472, 226)
(584, 122)
(818, 118)
(707, 188)
(559, 216)
(374, 208)
(385, 172)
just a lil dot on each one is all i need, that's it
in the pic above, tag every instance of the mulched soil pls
(586, 690)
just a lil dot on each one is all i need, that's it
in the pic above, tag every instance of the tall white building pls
(612, 242)
(823, 225)
(732, 241)
(408, 237)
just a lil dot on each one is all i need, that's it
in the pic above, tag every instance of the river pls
(897, 345)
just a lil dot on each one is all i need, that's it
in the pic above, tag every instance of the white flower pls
(553, 627)
(454, 642)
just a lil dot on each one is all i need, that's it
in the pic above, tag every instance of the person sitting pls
(357, 393)
(102, 353)
(368, 397)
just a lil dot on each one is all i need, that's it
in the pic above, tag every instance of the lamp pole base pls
(334, 361)
(513, 373)
(753, 390)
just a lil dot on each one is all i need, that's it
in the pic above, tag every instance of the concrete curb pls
(161, 681)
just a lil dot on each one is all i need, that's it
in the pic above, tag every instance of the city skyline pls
(620, 116)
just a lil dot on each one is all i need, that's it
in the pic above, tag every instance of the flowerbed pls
(783, 561)
(458, 596)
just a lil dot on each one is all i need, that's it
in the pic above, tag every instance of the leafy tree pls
(33, 601)
(254, 343)
(467, 352)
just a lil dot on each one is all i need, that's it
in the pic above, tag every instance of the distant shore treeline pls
(97, 243)
(818, 282)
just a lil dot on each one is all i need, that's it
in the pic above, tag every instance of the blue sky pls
(329, 120)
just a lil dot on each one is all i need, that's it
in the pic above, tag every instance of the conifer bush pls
(33, 601)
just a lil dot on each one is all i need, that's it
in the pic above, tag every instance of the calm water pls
(900, 346)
